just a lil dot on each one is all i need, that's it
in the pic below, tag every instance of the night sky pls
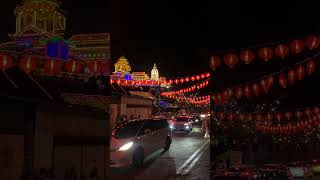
(180, 37)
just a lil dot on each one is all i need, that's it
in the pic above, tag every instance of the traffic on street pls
(187, 156)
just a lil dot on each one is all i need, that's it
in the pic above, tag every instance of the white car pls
(300, 170)
(132, 141)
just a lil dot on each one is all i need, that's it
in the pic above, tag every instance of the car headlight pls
(186, 124)
(171, 126)
(187, 127)
(202, 115)
(126, 146)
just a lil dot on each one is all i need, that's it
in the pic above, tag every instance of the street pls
(187, 158)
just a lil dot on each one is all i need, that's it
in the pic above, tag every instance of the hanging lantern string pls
(257, 46)
(179, 90)
(282, 70)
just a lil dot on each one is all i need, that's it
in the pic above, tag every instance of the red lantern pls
(230, 93)
(215, 62)
(296, 46)
(28, 64)
(264, 85)
(247, 56)
(73, 66)
(278, 116)
(269, 117)
(298, 114)
(94, 66)
(182, 80)
(288, 115)
(187, 79)
(176, 81)
(198, 77)
(111, 81)
(291, 76)
(247, 91)
(193, 78)
(311, 66)
(300, 72)
(221, 115)
(52, 67)
(316, 110)
(256, 89)
(281, 51)
(203, 76)
(307, 112)
(241, 117)
(208, 75)
(312, 42)
(249, 117)
(283, 80)
(258, 117)
(230, 60)
(239, 93)
(5, 62)
(265, 53)
(170, 81)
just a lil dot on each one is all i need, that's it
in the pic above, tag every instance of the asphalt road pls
(187, 158)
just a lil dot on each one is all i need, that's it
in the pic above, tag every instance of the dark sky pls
(181, 36)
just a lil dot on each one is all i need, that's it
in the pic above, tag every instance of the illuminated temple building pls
(40, 27)
(123, 71)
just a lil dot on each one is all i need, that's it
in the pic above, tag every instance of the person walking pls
(206, 127)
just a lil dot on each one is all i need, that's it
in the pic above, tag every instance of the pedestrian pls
(207, 128)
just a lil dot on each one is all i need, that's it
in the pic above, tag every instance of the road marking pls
(186, 171)
(191, 157)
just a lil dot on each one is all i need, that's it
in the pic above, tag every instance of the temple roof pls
(88, 37)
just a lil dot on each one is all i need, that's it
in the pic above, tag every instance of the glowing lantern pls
(300, 72)
(278, 116)
(5, 62)
(170, 81)
(265, 53)
(247, 56)
(230, 93)
(311, 66)
(176, 81)
(203, 76)
(281, 51)
(221, 115)
(187, 79)
(283, 80)
(307, 112)
(269, 117)
(28, 64)
(296, 46)
(315, 110)
(208, 75)
(239, 93)
(258, 117)
(241, 117)
(215, 62)
(256, 89)
(247, 91)
(298, 114)
(73, 66)
(52, 67)
(111, 81)
(198, 77)
(291, 76)
(193, 78)
(230, 60)
(288, 115)
(312, 42)
(182, 80)
(94, 66)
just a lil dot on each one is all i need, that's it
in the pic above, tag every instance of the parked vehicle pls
(132, 141)
(182, 123)
(300, 170)
(272, 174)
(315, 166)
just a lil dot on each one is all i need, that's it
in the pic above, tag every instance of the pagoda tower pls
(154, 73)
(39, 17)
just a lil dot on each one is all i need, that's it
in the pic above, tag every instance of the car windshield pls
(182, 119)
(127, 130)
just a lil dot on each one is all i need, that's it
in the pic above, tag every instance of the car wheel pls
(138, 158)
(168, 143)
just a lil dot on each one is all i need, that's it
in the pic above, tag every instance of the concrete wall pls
(52, 121)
